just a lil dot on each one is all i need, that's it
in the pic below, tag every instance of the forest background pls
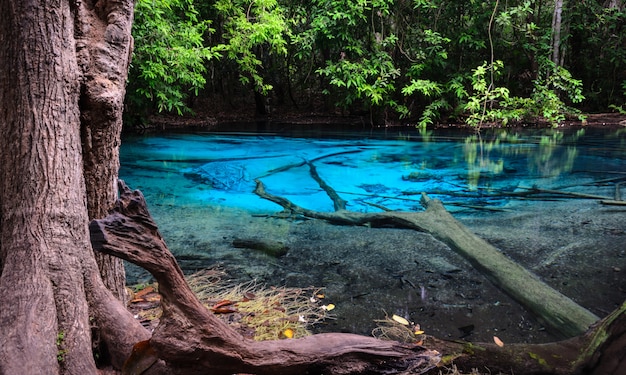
(390, 62)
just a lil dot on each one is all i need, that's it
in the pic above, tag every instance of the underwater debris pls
(398, 329)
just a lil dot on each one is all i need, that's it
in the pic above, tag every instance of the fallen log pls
(558, 312)
(190, 339)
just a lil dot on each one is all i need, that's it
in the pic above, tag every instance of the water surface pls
(200, 188)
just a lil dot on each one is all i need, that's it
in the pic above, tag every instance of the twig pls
(609, 202)
(566, 193)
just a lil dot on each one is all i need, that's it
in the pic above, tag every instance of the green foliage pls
(252, 30)
(360, 66)
(169, 57)
(417, 60)
(61, 351)
(620, 109)
(369, 79)
(546, 98)
(486, 102)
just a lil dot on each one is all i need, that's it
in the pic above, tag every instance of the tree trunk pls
(44, 315)
(556, 32)
(104, 46)
(48, 267)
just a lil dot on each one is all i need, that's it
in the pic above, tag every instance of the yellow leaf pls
(288, 333)
(399, 319)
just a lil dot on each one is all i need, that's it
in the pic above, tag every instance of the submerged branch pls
(338, 202)
(553, 308)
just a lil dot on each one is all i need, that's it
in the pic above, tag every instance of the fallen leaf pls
(144, 291)
(141, 358)
(498, 342)
(288, 333)
(223, 310)
(222, 303)
(401, 320)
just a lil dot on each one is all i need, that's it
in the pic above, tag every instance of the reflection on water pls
(200, 187)
(552, 156)
(220, 169)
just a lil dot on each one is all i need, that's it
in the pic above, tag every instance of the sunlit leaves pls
(250, 28)
(169, 56)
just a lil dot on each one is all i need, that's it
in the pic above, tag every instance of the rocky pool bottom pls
(577, 247)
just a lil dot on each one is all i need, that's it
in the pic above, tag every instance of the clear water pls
(200, 188)
(367, 169)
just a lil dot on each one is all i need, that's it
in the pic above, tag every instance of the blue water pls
(200, 190)
(370, 172)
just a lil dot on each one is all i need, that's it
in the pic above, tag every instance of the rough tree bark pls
(103, 47)
(48, 267)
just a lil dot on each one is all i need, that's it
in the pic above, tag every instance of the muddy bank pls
(575, 246)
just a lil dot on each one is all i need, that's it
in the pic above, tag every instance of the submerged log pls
(190, 339)
(558, 312)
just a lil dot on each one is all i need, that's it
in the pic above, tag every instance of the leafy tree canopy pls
(421, 61)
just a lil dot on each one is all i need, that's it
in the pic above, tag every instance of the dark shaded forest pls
(419, 62)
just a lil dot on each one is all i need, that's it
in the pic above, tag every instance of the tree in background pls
(170, 56)
(419, 61)
(255, 38)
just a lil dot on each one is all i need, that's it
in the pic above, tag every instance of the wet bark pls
(191, 339)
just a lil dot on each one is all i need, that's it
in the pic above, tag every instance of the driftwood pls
(557, 311)
(190, 339)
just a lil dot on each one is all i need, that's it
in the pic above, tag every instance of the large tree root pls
(191, 339)
(557, 311)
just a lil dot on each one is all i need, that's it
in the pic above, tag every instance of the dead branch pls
(338, 202)
(191, 339)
